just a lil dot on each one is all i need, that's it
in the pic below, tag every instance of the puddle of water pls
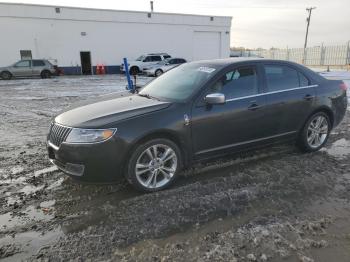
(30, 243)
(340, 148)
(10, 220)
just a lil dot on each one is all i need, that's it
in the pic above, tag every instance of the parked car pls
(136, 66)
(28, 68)
(194, 112)
(163, 66)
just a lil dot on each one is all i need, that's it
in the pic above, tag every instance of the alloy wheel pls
(317, 131)
(156, 166)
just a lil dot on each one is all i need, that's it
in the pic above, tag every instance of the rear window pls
(281, 77)
(38, 63)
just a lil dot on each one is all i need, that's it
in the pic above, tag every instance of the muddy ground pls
(265, 205)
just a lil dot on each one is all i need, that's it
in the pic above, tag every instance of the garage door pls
(206, 45)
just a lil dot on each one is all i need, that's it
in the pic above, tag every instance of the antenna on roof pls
(151, 2)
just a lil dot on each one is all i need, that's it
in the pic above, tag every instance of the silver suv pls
(28, 68)
(143, 61)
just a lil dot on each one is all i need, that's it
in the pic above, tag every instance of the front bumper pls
(149, 72)
(97, 162)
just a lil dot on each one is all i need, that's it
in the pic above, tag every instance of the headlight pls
(78, 135)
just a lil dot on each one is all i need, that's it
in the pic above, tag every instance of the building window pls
(26, 54)
(149, 15)
(58, 10)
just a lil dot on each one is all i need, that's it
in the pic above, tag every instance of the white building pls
(66, 35)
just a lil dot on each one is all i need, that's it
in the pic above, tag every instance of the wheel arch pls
(323, 109)
(165, 134)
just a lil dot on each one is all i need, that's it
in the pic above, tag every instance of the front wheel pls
(158, 72)
(315, 132)
(6, 75)
(154, 165)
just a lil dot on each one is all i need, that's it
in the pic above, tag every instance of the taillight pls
(343, 86)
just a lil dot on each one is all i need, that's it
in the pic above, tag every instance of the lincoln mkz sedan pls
(194, 112)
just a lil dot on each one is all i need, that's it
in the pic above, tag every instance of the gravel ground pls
(264, 205)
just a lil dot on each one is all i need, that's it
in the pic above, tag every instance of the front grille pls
(58, 134)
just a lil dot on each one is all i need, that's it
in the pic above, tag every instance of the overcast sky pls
(255, 23)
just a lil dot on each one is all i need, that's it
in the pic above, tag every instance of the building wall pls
(109, 35)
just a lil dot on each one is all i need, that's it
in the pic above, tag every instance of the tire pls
(6, 75)
(45, 74)
(315, 132)
(134, 70)
(158, 72)
(148, 173)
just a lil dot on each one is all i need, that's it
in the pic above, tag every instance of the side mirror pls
(215, 99)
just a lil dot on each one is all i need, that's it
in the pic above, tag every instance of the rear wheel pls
(6, 75)
(154, 165)
(158, 72)
(315, 132)
(45, 74)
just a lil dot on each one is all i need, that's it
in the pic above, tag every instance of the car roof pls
(235, 60)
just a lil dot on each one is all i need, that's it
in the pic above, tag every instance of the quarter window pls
(238, 83)
(279, 77)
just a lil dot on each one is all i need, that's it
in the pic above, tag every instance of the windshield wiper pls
(148, 96)
(145, 95)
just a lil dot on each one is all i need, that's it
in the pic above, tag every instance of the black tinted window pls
(281, 77)
(173, 61)
(166, 56)
(238, 83)
(180, 61)
(148, 59)
(38, 63)
(156, 58)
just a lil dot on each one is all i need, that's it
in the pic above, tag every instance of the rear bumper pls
(98, 162)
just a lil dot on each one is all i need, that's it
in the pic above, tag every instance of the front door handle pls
(308, 97)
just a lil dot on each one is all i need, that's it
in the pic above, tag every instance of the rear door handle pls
(308, 97)
(253, 106)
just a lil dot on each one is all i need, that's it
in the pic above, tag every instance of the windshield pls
(140, 58)
(179, 83)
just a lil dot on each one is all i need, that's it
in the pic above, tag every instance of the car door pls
(22, 68)
(37, 67)
(289, 98)
(237, 123)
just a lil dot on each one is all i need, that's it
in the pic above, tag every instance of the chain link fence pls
(337, 55)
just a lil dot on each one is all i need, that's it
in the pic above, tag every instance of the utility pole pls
(309, 10)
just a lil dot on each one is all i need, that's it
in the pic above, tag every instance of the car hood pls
(110, 110)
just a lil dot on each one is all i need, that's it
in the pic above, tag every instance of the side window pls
(238, 83)
(148, 59)
(38, 63)
(156, 58)
(25, 63)
(303, 81)
(173, 61)
(166, 56)
(281, 77)
(180, 61)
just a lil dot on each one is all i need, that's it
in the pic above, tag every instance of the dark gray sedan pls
(28, 68)
(194, 112)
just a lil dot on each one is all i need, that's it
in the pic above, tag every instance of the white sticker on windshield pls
(206, 69)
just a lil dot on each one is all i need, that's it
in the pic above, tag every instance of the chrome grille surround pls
(58, 134)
